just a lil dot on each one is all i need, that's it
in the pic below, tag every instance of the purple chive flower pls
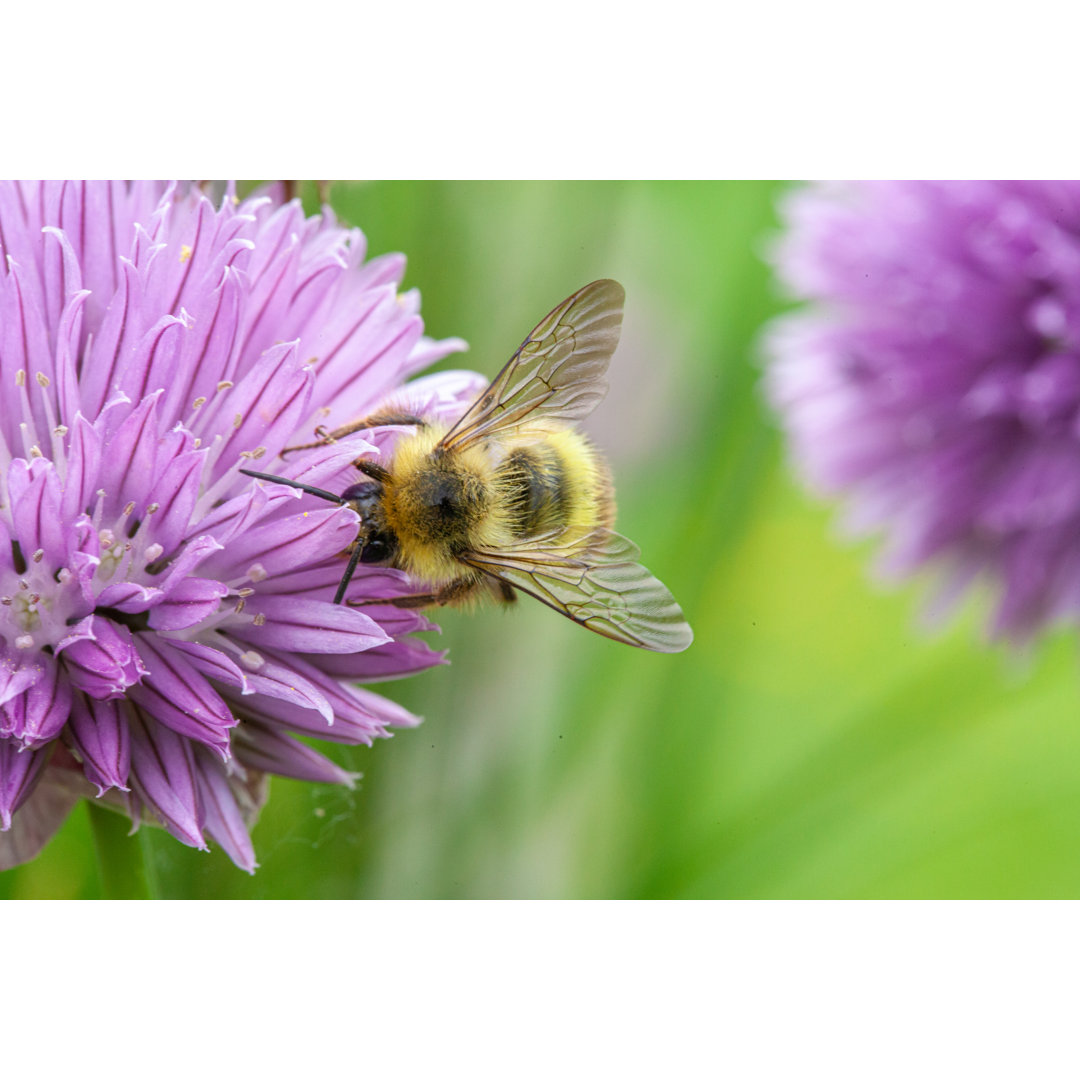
(934, 380)
(166, 625)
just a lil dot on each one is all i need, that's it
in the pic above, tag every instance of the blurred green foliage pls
(815, 741)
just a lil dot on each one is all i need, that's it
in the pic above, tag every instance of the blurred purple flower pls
(165, 623)
(934, 381)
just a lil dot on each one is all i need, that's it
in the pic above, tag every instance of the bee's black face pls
(380, 547)
(364, 497)
(380, 544)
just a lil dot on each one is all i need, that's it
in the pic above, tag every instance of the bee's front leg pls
(446, 594)
(386, 418)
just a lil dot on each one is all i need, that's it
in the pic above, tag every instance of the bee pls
(512, 498)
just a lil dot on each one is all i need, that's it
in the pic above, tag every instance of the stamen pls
(251, 659)
(197, 404)
(129, 509)
(153, 508)
(38, 555)
(225, 384)
(240, 605)
(256, 572)
(245, 592)
(238, 420)
(24, 641)
(185, 252)
(42, 379)
(259, 619)
(154, 551)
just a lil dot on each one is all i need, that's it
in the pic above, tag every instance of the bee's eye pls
(379, 548)
(361, 491)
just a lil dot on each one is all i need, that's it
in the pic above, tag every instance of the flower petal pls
(38, 714)
(20, 770)
(303, 625)
(174, 693)
(35, 512)
(129, 458)
(224, 822)
(278, 546)
(103, 663)
(163, 771)
(54, 795)
(99, 733)
(189, 602)
(406, 656)
(358, 715)
(258, 746)
(16, 676)
(83, 463)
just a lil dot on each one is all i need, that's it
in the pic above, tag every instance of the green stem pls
(121, 862)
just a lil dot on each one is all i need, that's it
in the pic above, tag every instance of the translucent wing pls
(597, 582)
(557, 373)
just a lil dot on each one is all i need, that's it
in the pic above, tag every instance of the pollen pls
(251, 660)
(42, 380)
(185, 252)
(24, 641)
(238, 419)
(259, 619)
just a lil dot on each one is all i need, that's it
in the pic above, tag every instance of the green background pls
(817, 740)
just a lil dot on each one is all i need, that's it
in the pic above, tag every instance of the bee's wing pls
(596, 581)
(558, 372)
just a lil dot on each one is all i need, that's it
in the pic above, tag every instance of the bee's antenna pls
(318, 492)
(354, 560)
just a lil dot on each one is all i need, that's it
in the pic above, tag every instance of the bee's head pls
(380, 544)
(365, 498)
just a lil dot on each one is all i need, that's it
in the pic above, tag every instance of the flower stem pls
(121, 863)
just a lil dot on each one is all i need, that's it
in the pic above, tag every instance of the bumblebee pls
(512, 498)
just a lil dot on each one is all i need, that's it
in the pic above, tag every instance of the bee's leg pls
(447, 594)
(374, 470)
(506, 594)
(387, 418)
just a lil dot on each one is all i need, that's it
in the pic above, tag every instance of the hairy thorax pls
(490, 496)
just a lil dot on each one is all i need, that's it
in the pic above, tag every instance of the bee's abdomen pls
(537, 488)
